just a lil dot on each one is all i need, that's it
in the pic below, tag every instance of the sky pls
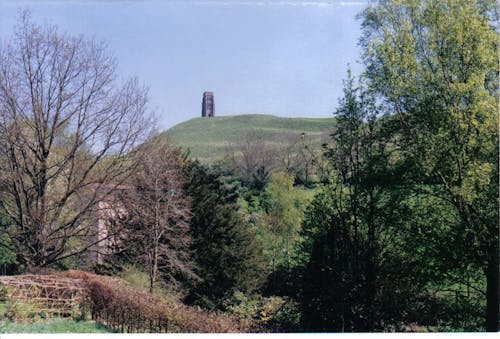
(286, 58)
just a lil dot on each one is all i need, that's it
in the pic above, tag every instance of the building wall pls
(208, 105)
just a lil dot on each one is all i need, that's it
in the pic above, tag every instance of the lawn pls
(53, 326)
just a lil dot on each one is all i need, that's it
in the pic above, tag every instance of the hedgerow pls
(111, 302)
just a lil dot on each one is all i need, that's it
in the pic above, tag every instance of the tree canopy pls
(67, 126)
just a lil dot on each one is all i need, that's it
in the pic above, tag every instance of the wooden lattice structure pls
(51, 294)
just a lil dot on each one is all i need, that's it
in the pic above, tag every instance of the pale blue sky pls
(286, 58)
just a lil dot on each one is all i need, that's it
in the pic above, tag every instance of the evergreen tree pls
(226, 252)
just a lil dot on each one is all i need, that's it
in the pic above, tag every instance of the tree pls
(155, 215)
(226, 252)
(254, 158)
(283, 211)
(67, 126)
(343, 246)
(435, 66)
(299, 154)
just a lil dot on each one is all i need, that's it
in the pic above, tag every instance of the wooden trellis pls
(51, 294)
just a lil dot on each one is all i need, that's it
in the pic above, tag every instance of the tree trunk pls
(154, 269)
(371, 270)
(492, 295)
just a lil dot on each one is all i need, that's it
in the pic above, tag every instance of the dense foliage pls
(435, 67)
(226, 252)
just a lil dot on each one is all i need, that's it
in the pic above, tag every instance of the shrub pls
(135, 277)
(26, 312)
(276, 314)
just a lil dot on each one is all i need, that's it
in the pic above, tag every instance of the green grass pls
(209, 138)
(48, 325)
(53, 326)
(3, 308)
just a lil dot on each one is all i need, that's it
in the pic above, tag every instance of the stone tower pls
(208, 106)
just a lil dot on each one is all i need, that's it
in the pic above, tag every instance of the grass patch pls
(53, 326)
(209, 138)
(3, 309)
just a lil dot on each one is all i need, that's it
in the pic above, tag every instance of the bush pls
(26, 312)
(15, 310)
(275, 314)
(135, 277)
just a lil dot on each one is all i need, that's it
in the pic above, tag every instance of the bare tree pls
(254, 157)
(302, 155)
(288, 145)
(156, 214)
(67, 126)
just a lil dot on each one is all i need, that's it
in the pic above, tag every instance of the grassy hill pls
(209, 138)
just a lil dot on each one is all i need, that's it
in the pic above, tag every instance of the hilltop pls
(210, 138)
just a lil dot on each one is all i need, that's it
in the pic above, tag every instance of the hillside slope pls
(209, 138)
